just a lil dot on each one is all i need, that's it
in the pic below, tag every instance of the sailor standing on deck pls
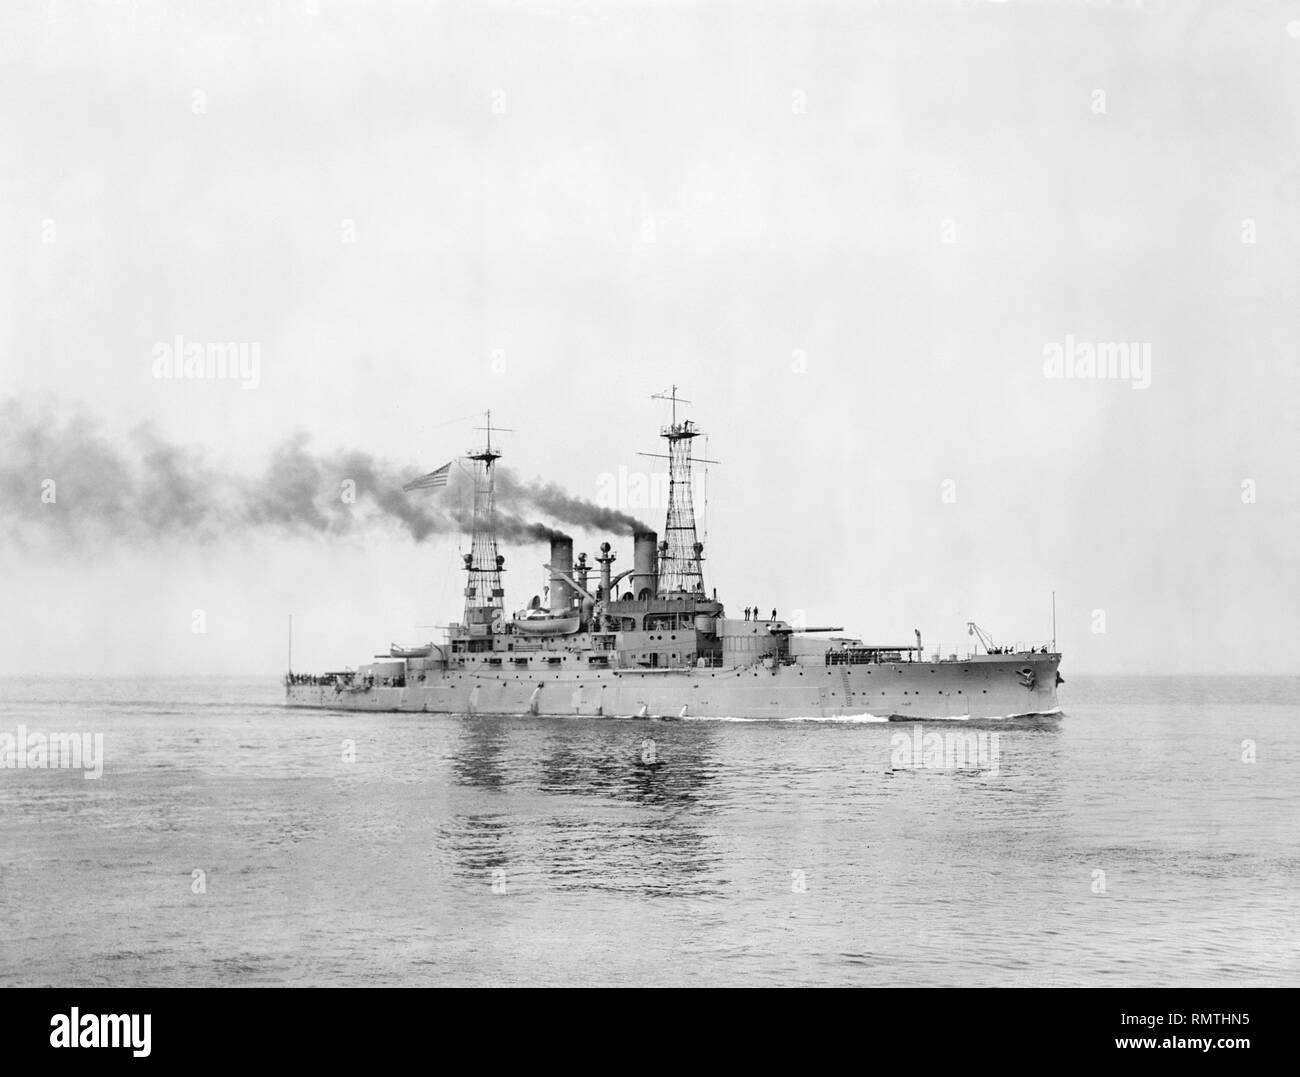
(746, 613)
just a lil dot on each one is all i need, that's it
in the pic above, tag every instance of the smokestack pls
(645, 545)
(561, 561)
(606, 559)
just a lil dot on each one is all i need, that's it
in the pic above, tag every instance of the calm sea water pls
(1125, 843)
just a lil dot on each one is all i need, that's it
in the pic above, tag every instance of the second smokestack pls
(645, 547)
(561, 561)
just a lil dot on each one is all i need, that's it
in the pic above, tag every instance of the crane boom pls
(972, 629)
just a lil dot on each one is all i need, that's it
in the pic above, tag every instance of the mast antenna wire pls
(705, 521)
(449, 422)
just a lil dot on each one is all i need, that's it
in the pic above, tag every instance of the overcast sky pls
(853, 234)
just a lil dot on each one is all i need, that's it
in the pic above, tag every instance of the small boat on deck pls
(411, 652)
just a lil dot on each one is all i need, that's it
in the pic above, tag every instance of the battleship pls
(651, 642)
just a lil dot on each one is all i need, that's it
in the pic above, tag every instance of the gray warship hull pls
(984, 687)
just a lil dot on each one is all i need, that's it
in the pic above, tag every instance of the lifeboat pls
(546, 623)
(410, 652)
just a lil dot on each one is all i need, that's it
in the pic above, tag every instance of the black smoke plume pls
(61, 476)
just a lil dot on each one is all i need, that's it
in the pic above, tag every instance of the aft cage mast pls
(484, 595)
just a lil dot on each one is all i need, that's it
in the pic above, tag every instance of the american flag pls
(429, 481)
